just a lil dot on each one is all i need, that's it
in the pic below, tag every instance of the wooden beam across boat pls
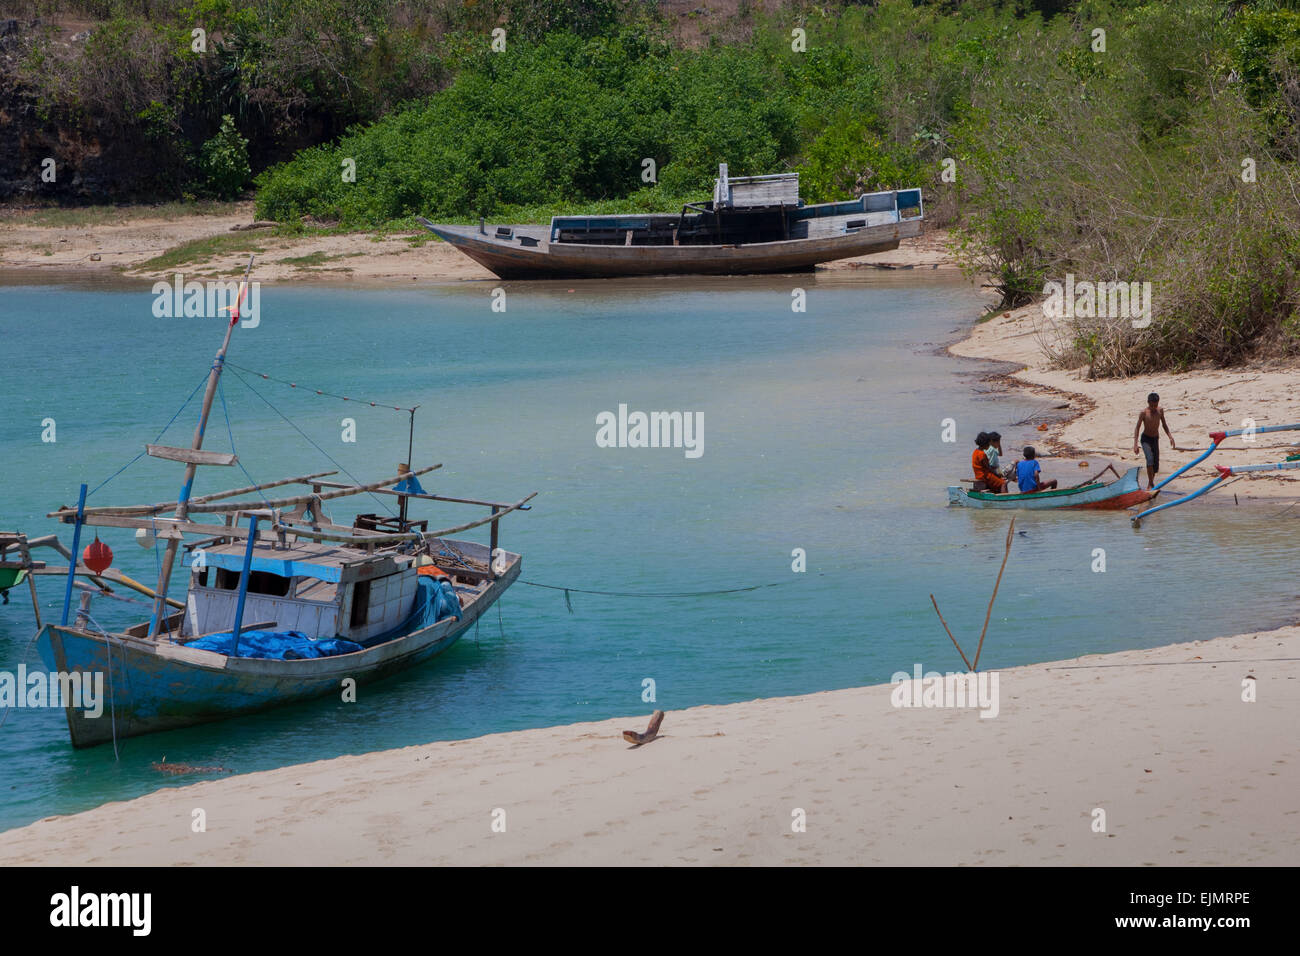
(249, 489)
(315, 534)
(307, 531)
(111, 574)
(190, 456)
(425, 496)
(165, 528)
(210, 508)
(175, 528)
(204, 504)
(361, 534)
(213, 496)
(482, 521)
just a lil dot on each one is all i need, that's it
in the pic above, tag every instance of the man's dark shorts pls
(1151, 448)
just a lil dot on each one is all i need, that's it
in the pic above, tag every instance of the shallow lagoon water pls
(821, 432)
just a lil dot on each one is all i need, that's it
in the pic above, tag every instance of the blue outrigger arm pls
(1178, 501)
(1217, 439)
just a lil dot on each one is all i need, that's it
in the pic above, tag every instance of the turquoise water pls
(821, 432)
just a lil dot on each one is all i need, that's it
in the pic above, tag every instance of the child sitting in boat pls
(979, 461)
(1028, 478)
(1007, 470)
(994, 452)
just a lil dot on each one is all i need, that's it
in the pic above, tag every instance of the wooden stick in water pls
(988, 614)
(950, 637)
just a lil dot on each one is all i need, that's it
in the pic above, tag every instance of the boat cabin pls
(744, 210)
(321, 589)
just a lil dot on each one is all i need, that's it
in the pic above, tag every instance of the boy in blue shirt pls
(1027, 474)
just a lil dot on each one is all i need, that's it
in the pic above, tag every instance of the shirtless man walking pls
(1150, 420)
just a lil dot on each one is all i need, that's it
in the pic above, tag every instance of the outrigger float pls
(1225, 472)
(274, 614)
(1124, 492)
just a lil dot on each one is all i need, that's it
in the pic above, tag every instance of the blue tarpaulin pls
(435, 599)
(276, 645)
(411, 485)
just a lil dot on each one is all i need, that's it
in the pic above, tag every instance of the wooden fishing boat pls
(1117, 495)
(753, 224)
(301, 608)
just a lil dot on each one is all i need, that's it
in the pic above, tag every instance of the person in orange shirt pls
(979, 461)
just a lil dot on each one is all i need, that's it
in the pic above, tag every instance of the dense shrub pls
(224, 161)
(1151, 167)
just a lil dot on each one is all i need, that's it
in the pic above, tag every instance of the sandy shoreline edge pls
(128, 246)
(1160, 739)
(1187, 772)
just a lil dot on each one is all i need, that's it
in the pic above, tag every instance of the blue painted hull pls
(150, 687)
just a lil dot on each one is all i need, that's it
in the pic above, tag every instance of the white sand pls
(1103, 413)
(130, 242)
(1186, 772)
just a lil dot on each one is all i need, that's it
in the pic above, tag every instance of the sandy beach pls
(127, 242)
(1097, 426)
(1161, 740)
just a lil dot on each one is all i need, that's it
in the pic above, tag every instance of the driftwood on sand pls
(651, 732)
(162, 766)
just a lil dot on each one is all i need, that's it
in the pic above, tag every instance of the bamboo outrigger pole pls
(1217, 439)
(183, 501)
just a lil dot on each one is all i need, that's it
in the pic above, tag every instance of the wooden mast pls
(183, 501)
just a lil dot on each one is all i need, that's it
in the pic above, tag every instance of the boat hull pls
(1116, 496)
(508, 259)
(150, 687)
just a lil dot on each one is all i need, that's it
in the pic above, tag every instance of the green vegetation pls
(1153, 142)
(201, 250)
(68, 216)
(1157, 160)
(311, 259)
(225, 161)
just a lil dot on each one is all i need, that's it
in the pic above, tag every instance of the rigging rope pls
(221, 390)
(159, 438)
(651, 594)
(568, 602)
(383, 504)
(319, 391)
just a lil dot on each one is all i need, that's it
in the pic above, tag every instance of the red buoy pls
(97, 556)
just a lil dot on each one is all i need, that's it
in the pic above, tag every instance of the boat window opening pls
(203, 578)
(259, 582)
(360, 603)
(266, 582)
(856, 224)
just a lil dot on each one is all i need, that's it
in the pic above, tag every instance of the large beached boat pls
(299, 607)
(753, 224)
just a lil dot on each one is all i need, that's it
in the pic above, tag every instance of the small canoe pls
(1124, 492)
